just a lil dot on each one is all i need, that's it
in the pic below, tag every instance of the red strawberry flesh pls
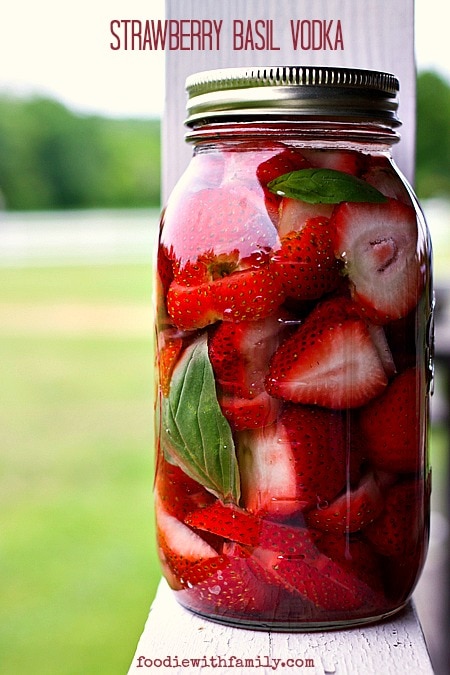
(378, 245)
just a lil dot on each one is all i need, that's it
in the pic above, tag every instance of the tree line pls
(53, 158)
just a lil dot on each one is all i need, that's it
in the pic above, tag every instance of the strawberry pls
(331, 360)
(235, 587)
(220, 264)
(294, 214)
(382, 176)
(306, 263)
(391, 425)
(295, 464)
(325, 583)
(401, 337)
(350, 511)
(236, 524)
(220, 226)
(397, 531)
(289, 159)
(355, 556)
(347, 161)
(170, 346)
(378, 246)
(178, 493)
(240, 352)
(181, 547)
(249, 413)
(164, 270)
(238, 296)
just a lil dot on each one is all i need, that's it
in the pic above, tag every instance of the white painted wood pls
(171, 634)
(376, 34)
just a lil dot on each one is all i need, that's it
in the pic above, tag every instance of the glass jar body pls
(293, 314)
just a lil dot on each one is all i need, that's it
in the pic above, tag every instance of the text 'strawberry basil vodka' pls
(293, 316)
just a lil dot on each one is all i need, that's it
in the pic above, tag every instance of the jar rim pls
(292, 92)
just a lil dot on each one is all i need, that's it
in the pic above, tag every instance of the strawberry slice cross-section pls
(378, 246)
(331, 360)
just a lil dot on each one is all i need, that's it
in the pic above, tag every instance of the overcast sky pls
(62, 49)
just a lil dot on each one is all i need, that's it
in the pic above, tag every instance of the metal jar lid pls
(292, 92)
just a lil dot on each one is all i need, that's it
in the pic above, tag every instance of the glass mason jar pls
(293, 324)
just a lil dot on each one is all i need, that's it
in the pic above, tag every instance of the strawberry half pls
(347, 161)
(397, 532)
(295, 464)
(295, 213)
(285, 161)
(217, 224)
(181, 548)
(236, 587)
(356, 557)
(250, 294)
(378, 246)
(351, 511)
(237, 525)
(249, 413)
(239, 354)
(177, 493)
(305, 261)
(331, 360)
(325, 583)
(390, 425)
(220, 264)
(170, 345)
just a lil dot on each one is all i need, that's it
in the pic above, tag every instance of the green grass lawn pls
(77, 557)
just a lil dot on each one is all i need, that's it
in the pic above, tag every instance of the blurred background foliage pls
(52, 158)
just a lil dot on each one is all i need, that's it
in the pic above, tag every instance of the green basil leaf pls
(324, 186)
(195, 434)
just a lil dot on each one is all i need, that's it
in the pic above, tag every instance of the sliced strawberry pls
(164, 270)
(355, 556)
(294, 464)
(232, 522)
(235, 588)
(170, 345)
(240, 352)
(191, 306)
(289, 159)
(348, 161)
(391, 425)
(217, 223)
(294, 214)
(397, 532)
(248, 295)
(306, 263)
(268, 477)
(378, 245)
(351, 511)
(249, 413)
(325, 583)
(181, 547)
(401, 337)
(331, 360)
(239, 296)
(178, 493)
(382, 176)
